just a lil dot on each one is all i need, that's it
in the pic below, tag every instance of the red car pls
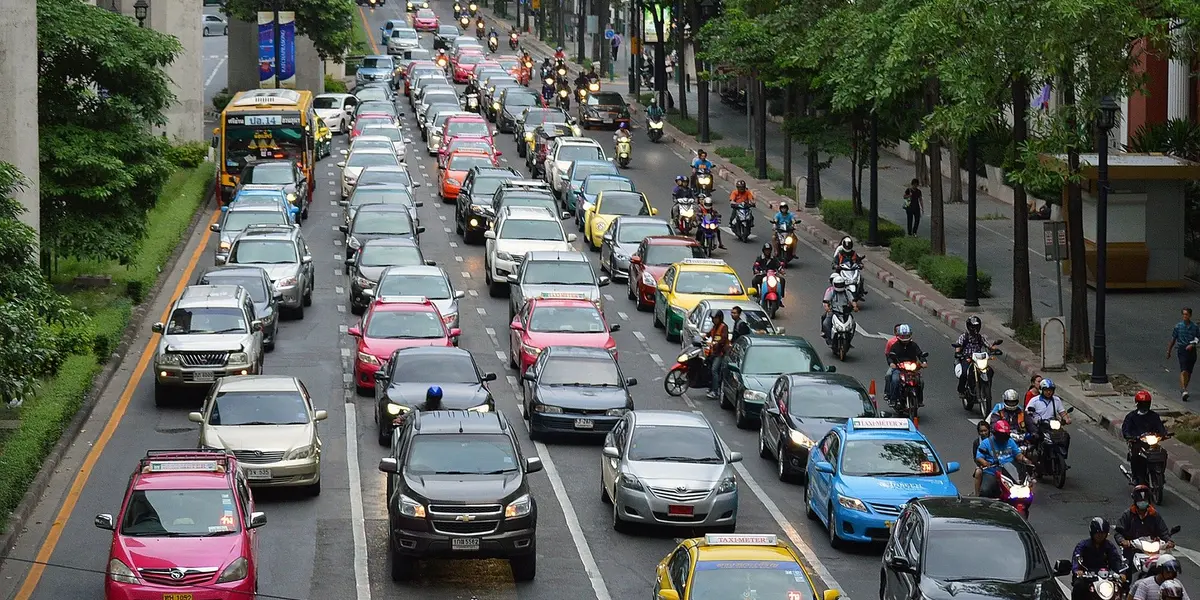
(187, 527)
(466, 143)
(371, 119)
(425, 20)
(651, 260)
(392, 323)
(464, 66)
(557, 319)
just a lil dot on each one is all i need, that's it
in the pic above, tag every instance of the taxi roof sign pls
(716, 262)
(741, 539)
(184, 466)
(881, 423)
(402, 300)
(562, 296)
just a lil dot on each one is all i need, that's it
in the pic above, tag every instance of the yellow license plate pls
(889, 524)
(177, 597)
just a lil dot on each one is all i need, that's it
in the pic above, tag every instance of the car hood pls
(330, 114)
(934, 589)
(383, 348)
(687, 302)
(607, 107)
(674, 474)
(455, 396)
(372, 273)
(374, 71)
(224, 342)
(759, 383)
(469, 489)
(591, 340)
(533, 291)
(268, 438)
(814, 428)
(583, 398)
(168, 552)
(897, 490)
(625, 249)
(520, 247)
(279, 271)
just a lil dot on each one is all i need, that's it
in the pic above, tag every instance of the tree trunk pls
(681, 59)
(660, 59)
(1079, 343)
(789, 94)
(921, 173)
(604, 47)
(956, 180)
(937, 218)
(1022, 301)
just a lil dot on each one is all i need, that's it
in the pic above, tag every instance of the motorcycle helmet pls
(1170, 588)
(1011, 400)
(974, 324)
(741, 185)
(904, 333)
(558, 49)
(1141, 400)
(767, 249)
(702, 154)
(1141, 496)
(653, 101)
(1167, 563)
(1046, 384)
(1099, 525)
(847, 244)
(839, 283)
(707, 202)
(783, 207)
(1002, 431)
(433, 398)
(623, 126)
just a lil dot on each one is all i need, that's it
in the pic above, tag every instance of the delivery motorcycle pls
(979, 382)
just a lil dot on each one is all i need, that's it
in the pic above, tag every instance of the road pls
(309, 550)
(216, 61)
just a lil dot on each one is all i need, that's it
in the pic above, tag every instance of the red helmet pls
(1141, 396)
(1001, 426)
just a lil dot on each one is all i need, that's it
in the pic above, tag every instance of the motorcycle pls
(852, 273)
(564, 98)
(373, 3)
(684, 215)
(465, 22)
(842, 333)
(1106, 584)
(1149, 449)
(768, 295)
(512, 43)
(654, 129)
(690, 370)
(474, 8)
(734, 97)
(786, 242)
(443, 62)
(624, 152)
(907, 400)
(593, 86)
(708, 240)
(1014, 491)
(560, 68)
(548, 92)
(703, 181)
(1146, 551)
(493, 43)
(742, 222)
(581, 93)
(979, 382)
(472, 102)
(1051, 453)
(479, 30)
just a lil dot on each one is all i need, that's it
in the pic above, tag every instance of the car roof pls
(371, 138)
(270, 163)
(578, 352)
(263, 231)
(670, 240)
(581, 302)
(573, 139)
(950, 513)
(468, 116)
(250, 383)
(393, 168)
(528, 213)
(374, 151)
(555, 255)
(458, 421)
(489, 172)
(597, 162)
(392, 241)
(385, 305)
(210, 295)
(233, 271)
(669, 418)
(396, 208)
(726, 304)
(705, 264)
(639, 220)
(434, 351)
(768, 553)
(414, 269)
(378, 56)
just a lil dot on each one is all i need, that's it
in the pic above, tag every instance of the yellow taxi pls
(324, 139)
(735, 566)
(611, 204)
(684, 284)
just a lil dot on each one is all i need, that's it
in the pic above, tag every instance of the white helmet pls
(1011, 399)
(839, 282)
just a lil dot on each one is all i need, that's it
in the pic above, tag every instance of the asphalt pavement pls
(333, 546)
(216, 61)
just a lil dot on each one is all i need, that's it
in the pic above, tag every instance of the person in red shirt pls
(1033, 391)
(887, 349)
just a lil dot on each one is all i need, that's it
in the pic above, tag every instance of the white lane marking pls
(442, 217)
(491, 332)
(332, 192)
(346, 352)
(458, 259)
(213, 75)
(473, 293)
(609, 297)
(333, 214)
(454, 245)
(481, 310)
(466, 275)
(863, 332)
(657, 359)
(641, 338)
(446, 229)
(338, 273)
(502, 356)
(336, 228)
(341, 308)
(585, 551)
(512, 381)
(362, 583)
(337, 242)
(337, 257)
(624, 317)
(343, 329)
(337, 289)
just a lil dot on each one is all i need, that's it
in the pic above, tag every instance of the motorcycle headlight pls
(800, 439)
(118, 572)
(519, 508)
(411, 508)
(529, 137)
(239, 358)
(683, 358)
(396, 410)
(772, 281)
(1019, 491)
(1150, 440)
(628, 481)
(301, 453)
(1055, 424)
(687, 213)
(1104, 589)
(495, 106)
(1151, 547)
(790, 240)
(727, 485)
(367, 358)
(756, 396)
(236, 571)
(852, 503)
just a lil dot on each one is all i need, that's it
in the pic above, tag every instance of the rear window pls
(376, 63)
(608, 98)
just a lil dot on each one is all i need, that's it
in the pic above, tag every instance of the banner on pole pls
(287, 50)
(266, 49)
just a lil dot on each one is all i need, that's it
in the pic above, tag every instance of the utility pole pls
(581, 29)
(972, 295)
(873, 219)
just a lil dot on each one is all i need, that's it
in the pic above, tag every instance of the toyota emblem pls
(681, 489)
(258, 452)
(177, 574)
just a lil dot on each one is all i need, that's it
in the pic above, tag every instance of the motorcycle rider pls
(741, 196)
(622, 133)
(1151, 588)
(706, 208)
(433, 398)
(701, 160)
(1172, 589)
(905, 350)
(559, 54)
(479, 25)
(1009, 410)
(547, 69)
(1096, 553)
(1046, 406)
(991, 454)
(1140, 520)
(970, 341)
(1140, 421)
(984, 429)
(845, 254)
(719, 335)
(654, 112)
(765, 262)
(548, 88)
(581, 82)
(783, 220)
(681, 189)
(835, 297)
(592, 75)
(472, 88)
(493, 34)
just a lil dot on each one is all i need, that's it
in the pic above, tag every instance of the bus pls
(265, 124)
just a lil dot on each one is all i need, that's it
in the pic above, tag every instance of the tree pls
(38, 327)
(101, 86)
(327, 23)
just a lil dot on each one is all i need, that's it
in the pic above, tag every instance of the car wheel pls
(402, 568)
(225, 32)
(657, 323)
(725, 403)
(835, 541)
(808, 511)
(524, 568)
(313, 490)
(629, 289)
(161, 397)
(298, 313)
(308, 297)
(385, 436)
(206, 33)
(742, 420)
(763, 450)
(618, 525)
(781, 468)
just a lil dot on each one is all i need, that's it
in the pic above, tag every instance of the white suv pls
(518, 230)
(563, 153)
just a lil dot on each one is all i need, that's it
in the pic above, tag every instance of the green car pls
(756, 361)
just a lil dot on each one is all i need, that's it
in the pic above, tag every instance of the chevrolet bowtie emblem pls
(466, 518)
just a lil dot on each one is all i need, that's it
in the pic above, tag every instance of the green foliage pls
(188, 155)
(326, 22)
(908, 251)
(221, 99)
(1177, 137)
(360, 39)
(839, 214)
(334, 85)
(948, 275)
(690, 126)
(108, 315)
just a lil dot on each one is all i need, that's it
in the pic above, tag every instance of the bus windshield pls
(256, 143)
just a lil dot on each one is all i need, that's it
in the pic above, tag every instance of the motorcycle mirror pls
(1062, 567)
(997, 342)
(1176, 529)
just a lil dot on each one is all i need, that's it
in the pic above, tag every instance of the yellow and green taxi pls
(324, 139)
(685, 284)
(611, 204)
(735, 566)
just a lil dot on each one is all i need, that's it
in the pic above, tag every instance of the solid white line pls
(362, 583)
(213, 75)
(581, 545)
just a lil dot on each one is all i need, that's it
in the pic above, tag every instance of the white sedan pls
(337, 110)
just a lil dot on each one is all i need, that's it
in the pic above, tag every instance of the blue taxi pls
(861, 474)
(265, 195)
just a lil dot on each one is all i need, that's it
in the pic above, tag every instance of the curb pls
(100, 384)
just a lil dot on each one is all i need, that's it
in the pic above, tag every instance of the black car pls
(529, 121)
(375, 256)
(933, 553)
(575, 390)
(375, 221)
(491, 96)
(401, 388)
(757, 361)
(444, 39)
(457, 488)
(283, 174)
(542, 136)
(379, 193)
(387, 174)
(800, 409)
(473, 209)
(258, 283)
(525, 192)
(513, 103)
(604, 108)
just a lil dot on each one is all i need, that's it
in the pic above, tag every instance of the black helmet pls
(741, 184)
(767, 249)
(1099, 525)
(974, 324)
(1168, 563)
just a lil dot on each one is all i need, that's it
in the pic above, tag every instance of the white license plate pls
(258, 474)
(584, 424)
(608, 121)
(206, 376)
(464, 544)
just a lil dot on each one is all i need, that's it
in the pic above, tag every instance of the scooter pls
(1051, 451)
(564, 98)
(1149, 449)
(465, 22)
(1146, 551)
(842, 333)
(480, 30)
(703, 181)
(786, 241)
(1015, 491)
(708, 238)
(979, 382)
(512, 42)
(852, 273)
(654, 129)
(474, 8)
(1106, 584)
(683, 218)
(742, 222)
(906, 399)
(624, 152)
(768, 295)
(472, 102)
(493, 43)
(690, 370)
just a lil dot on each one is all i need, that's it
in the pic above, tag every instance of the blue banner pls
(287, 50)
(266, 50)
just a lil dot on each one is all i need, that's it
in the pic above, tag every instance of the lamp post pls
(139, 10)
(1105, 121)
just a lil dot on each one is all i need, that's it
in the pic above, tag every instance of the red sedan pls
(464, 66)
(651, 260)
(392, 323)
(425, 20)
(557, 321)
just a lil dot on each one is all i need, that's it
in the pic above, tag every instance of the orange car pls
(450, 178)
(514, 67)
(465, 143)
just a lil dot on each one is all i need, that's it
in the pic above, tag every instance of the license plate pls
(608, 121)
(464, 544)
(177, 597)
(207, 376)
(679, 510)
(889, 524)
(584, 424)
(258, 474)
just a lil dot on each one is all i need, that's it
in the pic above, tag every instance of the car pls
(564, 151)
(414, 5)
(575, 390)
(435, 118)
(622, 240)
(445, 36)
(284, 254)
(470, 125)
(473, 208)
(368, 120)
(560, 274)
(401, 386)
(367, 142)
(387, 175)
(335, 110)
(375, 221)
(376, 107)
(465, 41)
(934, 548)
(354, 164)
(466, 144)
(411, 55)
(257, 283)
(391, 323)
(862, 474)
(699, 322)
(370, 262)
(389, 26)
(512, 65)
(496, 88)
(436, 94)
(264, 195)
(213, 25)
(451, 176)
(514, 102)
(269, 423)
(651, 260)
(418, 69)
(557, 319)
(377, 68)
(374, 91)
(758, 360)
(429, 282)
(282, 174)
(611, 204)
(543, 137)
(526, 192)
(174, 497)
(401, 39)
(211, 332)
(464, 66)
(530, 119)
(425, 20)
(684, 284)
(519, 230)
(668, 468)
(379, 193)
(799, 409)
(741, 566)
(473, 514)
(578, 172)
(393, 134)
(591, 186)
(235, 220)
(603, 108)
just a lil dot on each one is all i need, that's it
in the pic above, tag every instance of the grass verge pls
(358, 33)
(744, 160)
(689, 126)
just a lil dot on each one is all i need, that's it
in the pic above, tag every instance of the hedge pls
(908, 251)
(948, 275)
(168, 221)
(839, 214)
(334, 85)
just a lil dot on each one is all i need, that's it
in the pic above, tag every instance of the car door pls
(822, 483)
(680, 570)
(771, 416)
(899, 585)
(251, 317)
(609, 466)
(301, 185)
(246, 504)
(514, 336)
(529, 388)
(636, 268)
(660, 297)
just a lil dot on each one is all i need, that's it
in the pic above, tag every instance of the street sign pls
(1054, 234)
(609, 34)
(537, 4)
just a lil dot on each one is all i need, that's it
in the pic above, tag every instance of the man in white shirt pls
(1149, 588)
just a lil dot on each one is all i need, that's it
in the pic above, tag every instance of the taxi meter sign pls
(875, 423)
(184, 466)
(714, 539)
(715, 262)
(562, 296)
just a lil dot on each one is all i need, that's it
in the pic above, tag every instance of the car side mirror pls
(824, 467)
(216, 142)
(529, 376)
(668, 595)
(1176, 529)
(455, 332)
(533, 464)
(306, 259)
(831, 595)
(196, 417)
(350, 261)
(342, 164)
(354, 332)
(416, 184)
(901, 564)
(752, 292)
(512, 278)
(343, 203)
(571, 238)
(566, 215)
(420, 230)
(831, 369)
(489, 377)
(735, 457)
(418, 204)
(256, 326)
(603, 281)
(215, 227)
(157, 328)
(459, 295)
(1062, 567)
(615, 327)
(389, 465)
(635, 260)
(370, 293)
(952, 467)
(653, 211)
(664, 288)
(431, 263)
(630, 382)
(783, 331)
(104, 521)
(344, 228)
(611, 452)
(320, 415)
(257, 519)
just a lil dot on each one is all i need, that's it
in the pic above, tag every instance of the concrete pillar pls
(19, 100)
(1178, 92)
(243, 60)
(310, 69)
(181, 19)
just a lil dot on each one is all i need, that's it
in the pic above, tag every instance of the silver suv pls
(549, 272)
(235, 218)
(284, 255)
(212, 332)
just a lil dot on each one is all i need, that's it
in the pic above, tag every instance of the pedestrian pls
(739, 326)
(1184, 338)
(913, 207)
(616, 44)
(1034, 383)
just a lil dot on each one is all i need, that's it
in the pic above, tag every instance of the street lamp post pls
(139, 10)
(1106, 120)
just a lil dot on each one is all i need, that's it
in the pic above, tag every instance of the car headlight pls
(239, 358)
(236, 571)
(547, 409)
(283, 282)
(301, 453)
(449, 318)
(411, 508)
(727, 485)
(630, 482)
(503, 256)
(520, 507)
(168, 359)
(363, 282)
(648, 279)
(620, 257)
(800, 439)
(527, 349)
(756, 396)
(616, 412)
(852, 503)
(367, 358)
(118, 572)
(529, 137)
(291, 197)
(453, 181)
(354, 243)
(225, 246)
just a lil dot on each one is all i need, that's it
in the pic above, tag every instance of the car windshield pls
(710, 283)
(544, 272)
(392, 133)
(520, 100)
(580, 152)
(566, 319)
(661, 255)
(675, 444)
(361, 144)
(239, 220)
(635, 233)
(582, 170)
(377, 106)
(386, 176)
(254, 285)
(467, 127)
(327, 102)
(605, 99)
(484, 187)
(383, 222)
(461, 454)
(387, 255)
(464, 162)
(388, 196)
(372, 62)
(721, 580)
(953, 555)
(623, 203)
(180, 513)
(882, 458)
(434, 287)
(439, 95)
(524, 229)
(402, 324)
(448, 30)
(435, 368)
(581, 372)
(266, 252)
(469, 59)
(406, 34)
(774, 360)
(375, 121)
(272, 174)
(205, 320)
(372, 159)
(258, 408)
(371, 93)
(829, 401)
(539, 200)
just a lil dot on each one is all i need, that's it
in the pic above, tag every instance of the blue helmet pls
(904, 332)
(623, 126)
(433, 398)
(434, 392)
